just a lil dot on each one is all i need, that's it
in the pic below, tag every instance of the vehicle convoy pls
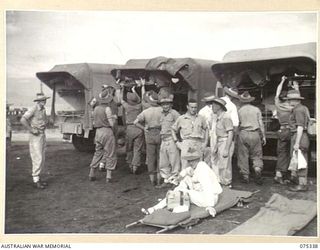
(73, 86)
(259, 71)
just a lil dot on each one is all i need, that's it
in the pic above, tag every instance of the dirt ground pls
(72, 204)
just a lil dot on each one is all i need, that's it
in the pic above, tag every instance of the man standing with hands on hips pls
(35, 120)
(193, 130)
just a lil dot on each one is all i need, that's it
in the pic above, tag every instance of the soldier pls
(35, 120)
(95, 101)
(223, 152)
(104, 122)
(298, 122)
(249, 140)
(210, 118)
(283, 112)
(169, 163)
(192, 129)
(150, 117)
(134, 135)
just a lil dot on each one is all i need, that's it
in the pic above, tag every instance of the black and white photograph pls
(161, 123)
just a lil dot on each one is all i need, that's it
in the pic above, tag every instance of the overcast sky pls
(36, 41)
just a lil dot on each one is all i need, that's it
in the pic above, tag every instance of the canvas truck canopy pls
(76, 84)
(259, 65)
(195, 75)
(259, 71)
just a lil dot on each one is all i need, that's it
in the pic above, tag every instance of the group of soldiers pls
(223, 126)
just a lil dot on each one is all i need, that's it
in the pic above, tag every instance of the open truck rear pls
(260, 70)
(184, 77)
(73, 86)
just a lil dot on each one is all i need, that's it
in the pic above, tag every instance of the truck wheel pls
(83, 144)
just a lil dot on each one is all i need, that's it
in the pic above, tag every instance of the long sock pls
(152, 179)
(278, 174)
(302, 181)
(92, 172)
(109, 174)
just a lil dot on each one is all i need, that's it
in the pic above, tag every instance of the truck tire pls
(84, 144)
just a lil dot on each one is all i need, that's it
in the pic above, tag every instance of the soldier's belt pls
(154, 128)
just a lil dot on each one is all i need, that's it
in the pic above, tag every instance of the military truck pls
(259, 71)
(73, 86)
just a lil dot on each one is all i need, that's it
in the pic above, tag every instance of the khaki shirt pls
(250, 118)
(131, 111)
(190, 126)
(166, 122)
(284, 110)
(299, 117)
(150, 117)
(224, 125)
(37, 118)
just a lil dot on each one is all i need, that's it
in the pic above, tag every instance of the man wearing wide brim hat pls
(107, 97)
(104, 121)
(224, 148)
(245, 97)
(298, 123)
(283, 112)
(251, 138)
(169, 159)
(150, 117)
(134, 136)
(35, 120)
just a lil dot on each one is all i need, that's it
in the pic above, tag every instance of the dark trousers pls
(283, 150)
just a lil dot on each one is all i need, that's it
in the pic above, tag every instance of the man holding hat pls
(249, 140)
(104, 121)
(169, 162)
(223, 152)
(35, 120)
(298, 123)
(193, 131)
(134, 135)
(150, 117)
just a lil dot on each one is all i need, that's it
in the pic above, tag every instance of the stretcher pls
(166, 220)
(279, 216)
